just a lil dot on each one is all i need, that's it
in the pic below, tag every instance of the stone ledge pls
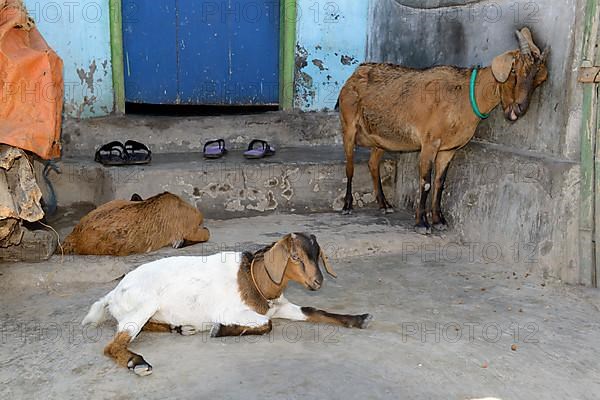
(301, 180)
(188, 134)
(342, 237)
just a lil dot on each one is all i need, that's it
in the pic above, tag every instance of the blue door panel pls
(255, 52)
(150, 56)
(202, 51)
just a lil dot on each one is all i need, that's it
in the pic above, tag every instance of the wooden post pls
(116, 45)
(589, 218)
(288, 14)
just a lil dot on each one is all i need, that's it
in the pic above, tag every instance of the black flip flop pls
(261, 152)
(112, 153)
(137, 153)
(214, 149)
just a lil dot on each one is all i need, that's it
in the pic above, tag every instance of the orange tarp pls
(31, 91)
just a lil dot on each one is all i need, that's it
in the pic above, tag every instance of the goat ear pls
(328, 268)
(502, 65)
(277, 258)
(534, 49)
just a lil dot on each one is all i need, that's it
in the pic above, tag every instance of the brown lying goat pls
(122, 227)
(394, 108)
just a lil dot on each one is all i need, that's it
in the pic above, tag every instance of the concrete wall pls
(79, 32)
(331, 40)
(515, 188)
(475, 34)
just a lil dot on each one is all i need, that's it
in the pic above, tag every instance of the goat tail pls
(97, 312)
(68, 247)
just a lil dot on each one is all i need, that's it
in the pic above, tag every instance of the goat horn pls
(544, 55)
(524, 44)
(326, 264)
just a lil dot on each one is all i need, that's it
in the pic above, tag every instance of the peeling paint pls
(334, 45)
(319, 64)
(248, 192)
(305, 92)
(88, 77)
(348, 60)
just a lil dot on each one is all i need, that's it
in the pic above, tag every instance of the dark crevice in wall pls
(434, 4)
(194, 110)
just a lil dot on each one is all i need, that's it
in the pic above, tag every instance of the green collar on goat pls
(472, 94)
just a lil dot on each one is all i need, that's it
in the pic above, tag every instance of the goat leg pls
(348, 207)
(427, 158)
(374, 168)
(349, 130)
(442, 162)
(220, 330)
(118, 351)
(349, 321)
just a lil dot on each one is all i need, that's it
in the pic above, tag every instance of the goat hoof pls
(215, 331)
(187, 330)
(423, 230)
(366, 321)
(440, 227)
(139, 366)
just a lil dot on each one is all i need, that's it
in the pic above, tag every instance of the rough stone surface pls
(309, 179)
(474, 34)
(81, 138)
(340, 236)
(439, 318)
(522, 206)
(34, 246)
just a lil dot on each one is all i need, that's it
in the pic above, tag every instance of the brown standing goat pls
(394, 108)
(122, 227)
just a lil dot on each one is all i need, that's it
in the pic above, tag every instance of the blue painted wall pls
(80, 33)
(331, 41)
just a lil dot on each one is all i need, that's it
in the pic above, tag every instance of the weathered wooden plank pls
(8, 208)
(589, 75)
(589, 181)
(10, 232)
(35, 246)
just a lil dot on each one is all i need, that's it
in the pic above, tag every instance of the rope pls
(254, 281)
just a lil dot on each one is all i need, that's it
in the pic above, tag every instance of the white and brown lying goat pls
(122, 227)
(234, 293)
(393, 108)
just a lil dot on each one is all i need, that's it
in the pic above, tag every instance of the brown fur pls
(259, 282)
(157, 327)
(122, 227)
(248, 291)
(300, 264)
(393, 108)
(324, 317)
(117, 349)
(238, 330)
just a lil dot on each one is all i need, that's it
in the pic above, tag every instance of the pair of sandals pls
(256, 149)
(117, 153)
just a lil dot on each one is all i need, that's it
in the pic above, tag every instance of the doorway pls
(199, 52)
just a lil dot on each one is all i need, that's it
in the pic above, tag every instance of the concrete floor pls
(445, 326)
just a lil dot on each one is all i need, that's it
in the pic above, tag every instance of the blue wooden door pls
(201, 52)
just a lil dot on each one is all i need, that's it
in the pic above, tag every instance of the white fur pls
(194, 292)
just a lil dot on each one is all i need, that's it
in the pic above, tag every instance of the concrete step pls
(296, 180)
(188, 134)
(342, 237)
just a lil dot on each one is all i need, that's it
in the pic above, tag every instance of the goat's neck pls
(263, 283)
(487, 90)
